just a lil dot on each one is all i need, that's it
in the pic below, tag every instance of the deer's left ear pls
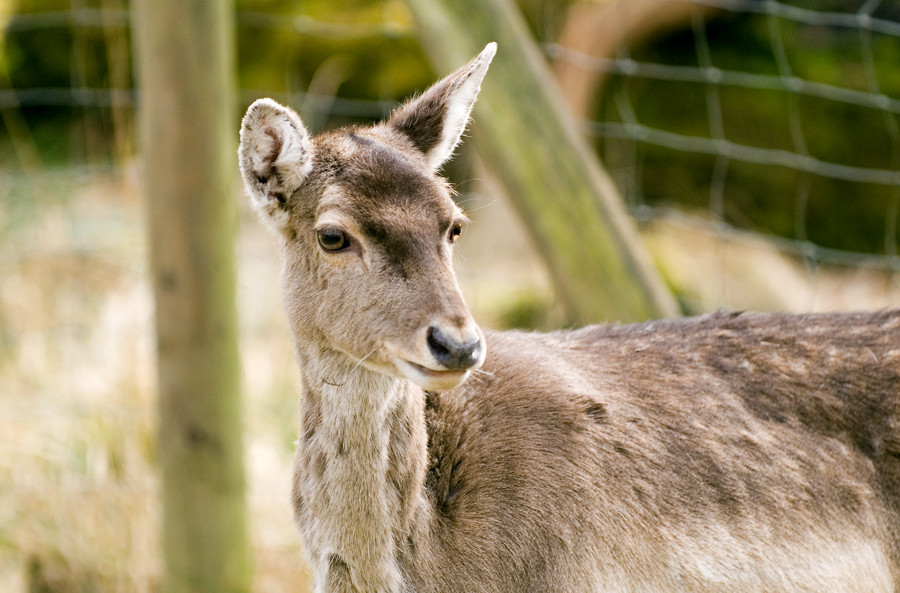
(436, 119)
(275, 157)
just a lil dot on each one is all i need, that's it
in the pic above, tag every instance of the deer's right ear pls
(275, 157)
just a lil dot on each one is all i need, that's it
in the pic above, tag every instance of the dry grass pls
(78, 492)
(743, 271)
(77, 488)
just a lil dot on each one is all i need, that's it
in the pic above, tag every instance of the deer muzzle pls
(445, 356)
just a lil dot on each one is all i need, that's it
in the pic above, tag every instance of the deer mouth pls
(430, 379)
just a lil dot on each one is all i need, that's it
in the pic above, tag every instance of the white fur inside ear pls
(275, 157)
(459, 106)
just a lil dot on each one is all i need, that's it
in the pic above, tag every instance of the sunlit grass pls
(79, 506)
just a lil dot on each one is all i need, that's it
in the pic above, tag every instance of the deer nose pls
(454, 354)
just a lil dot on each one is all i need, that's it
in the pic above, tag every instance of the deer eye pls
(331, 239)
(455, 232)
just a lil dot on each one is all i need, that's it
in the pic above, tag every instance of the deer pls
(728, 452)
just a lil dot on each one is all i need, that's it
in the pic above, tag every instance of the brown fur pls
(763, 446)
(730, 453)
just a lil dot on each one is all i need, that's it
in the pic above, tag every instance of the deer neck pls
(361, 462)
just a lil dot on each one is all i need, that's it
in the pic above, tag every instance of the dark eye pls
(455, 232)
(332, 239)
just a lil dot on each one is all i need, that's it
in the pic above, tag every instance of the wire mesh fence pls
(861, 39)
(813, 66)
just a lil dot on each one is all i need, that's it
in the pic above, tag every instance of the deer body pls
(738, 453)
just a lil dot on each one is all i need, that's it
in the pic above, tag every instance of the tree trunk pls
(527, 138)
(185, 66)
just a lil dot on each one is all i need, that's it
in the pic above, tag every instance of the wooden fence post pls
(525, 135)
(188, 129)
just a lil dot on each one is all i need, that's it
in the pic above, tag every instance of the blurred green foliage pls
(361, 49)
(345, 61)
(832, 213)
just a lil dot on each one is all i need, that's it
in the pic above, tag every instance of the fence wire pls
(867, 20)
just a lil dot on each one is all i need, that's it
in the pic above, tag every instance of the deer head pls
(367, 228)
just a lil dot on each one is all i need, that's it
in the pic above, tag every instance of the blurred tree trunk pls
(525, 135)
(185, 66)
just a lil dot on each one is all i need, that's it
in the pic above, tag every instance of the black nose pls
(452, 354)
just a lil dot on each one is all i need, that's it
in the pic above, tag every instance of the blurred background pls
(755, 144)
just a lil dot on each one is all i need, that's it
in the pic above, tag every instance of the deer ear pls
(435, 120)
(275, 157)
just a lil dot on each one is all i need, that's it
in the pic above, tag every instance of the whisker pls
(468, 198)
(356, 366)
(478, 374)
(363, 359)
